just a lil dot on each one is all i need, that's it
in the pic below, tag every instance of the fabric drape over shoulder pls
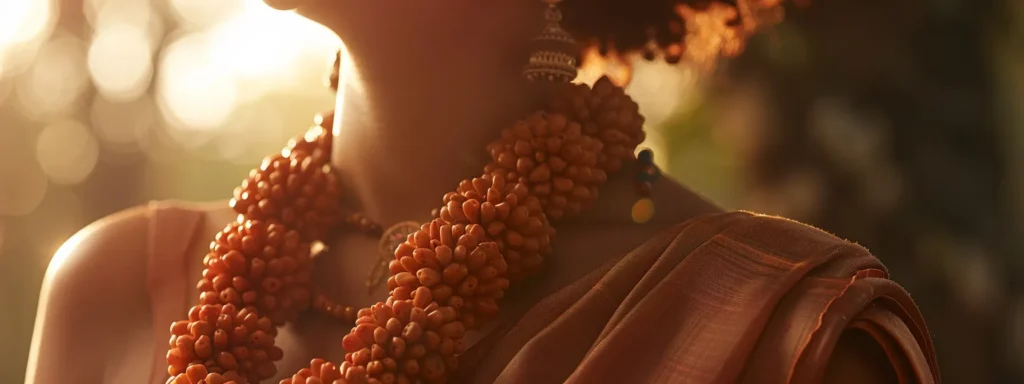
(725, 298)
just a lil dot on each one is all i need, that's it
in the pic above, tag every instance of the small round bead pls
(643, 210)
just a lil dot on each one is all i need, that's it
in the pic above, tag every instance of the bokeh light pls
(119, 61)
(661, 88)
(260, 42)
(247, 137)
(57, 78)
(136, 13)
(193, 92)
(23, 23)
(67, 151)
(104, 12)
(204, 13)
(154, 99)
(212, 74)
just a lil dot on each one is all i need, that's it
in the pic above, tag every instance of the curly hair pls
(698, 29)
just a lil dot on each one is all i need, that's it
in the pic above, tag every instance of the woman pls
(690, 294)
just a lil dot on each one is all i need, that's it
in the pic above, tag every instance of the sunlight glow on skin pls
(56, 263)
(344, 68)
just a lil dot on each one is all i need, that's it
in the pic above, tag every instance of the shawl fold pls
(724, 298)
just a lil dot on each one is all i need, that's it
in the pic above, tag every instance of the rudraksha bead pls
(550, 154)
(511, 217)
(222, 342)
(606, 113)
(404, 341)
(266, 266)
(295, 187)
(456, 264)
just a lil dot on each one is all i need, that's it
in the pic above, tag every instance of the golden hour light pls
(119, 61)
(67, 151)
(57, 79)
(193, 91)
(511, 191)
(22, 22)
(263, 44)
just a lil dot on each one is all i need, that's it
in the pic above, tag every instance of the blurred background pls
(899, 125)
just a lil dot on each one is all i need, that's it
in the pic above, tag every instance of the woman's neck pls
(414, 113)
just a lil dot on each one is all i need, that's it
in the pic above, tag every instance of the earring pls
(555, 53)
(554, 59)
(646, 174)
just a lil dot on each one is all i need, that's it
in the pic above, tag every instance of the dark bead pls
(649, 54)
(645, 156)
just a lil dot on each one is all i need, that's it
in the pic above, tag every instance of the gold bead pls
(643, 210)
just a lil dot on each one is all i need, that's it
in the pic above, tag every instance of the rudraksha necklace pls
(446, 278)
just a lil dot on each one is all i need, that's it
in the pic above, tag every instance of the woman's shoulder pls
(827, 303)
(98, 250)
(101, 270)
(116, 251)
(123, 239)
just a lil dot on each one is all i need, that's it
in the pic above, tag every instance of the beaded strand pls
(447, 278)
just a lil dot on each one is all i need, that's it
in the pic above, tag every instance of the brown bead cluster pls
(446, 278)
(551, 155)
(295, 187)
(404, 341)
(254, 264)
(511, 217)
(219, 342)
(322, 372)
(606, 113)
(261, 264)
(457, 264)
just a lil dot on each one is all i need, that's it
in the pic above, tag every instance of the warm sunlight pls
(260, 42)
(22, 21)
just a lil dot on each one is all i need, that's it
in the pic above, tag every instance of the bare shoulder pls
(94, 251)
(91, 276)
(99, 272)
(113, 249)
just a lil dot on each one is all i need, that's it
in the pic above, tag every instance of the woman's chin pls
(285, 5)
